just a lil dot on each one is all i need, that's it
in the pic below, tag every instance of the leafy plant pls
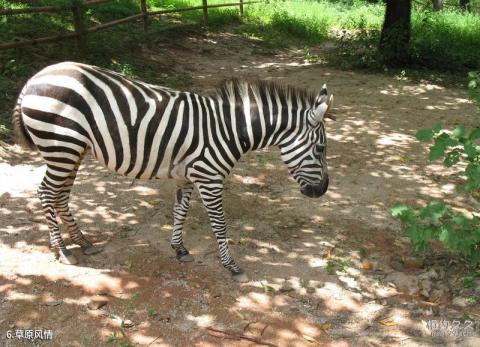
(331, 267)
(130, 309)
(469, 281)
(437, 221)
(152, 312)
(473, 300)
(114, 339)
(474, 84)
(455, 146)
(267, 288)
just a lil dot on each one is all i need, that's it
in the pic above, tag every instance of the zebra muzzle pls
(315, 190)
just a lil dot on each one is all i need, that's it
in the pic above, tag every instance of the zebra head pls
(306, 154)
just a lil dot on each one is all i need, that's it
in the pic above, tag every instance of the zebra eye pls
(318, 150)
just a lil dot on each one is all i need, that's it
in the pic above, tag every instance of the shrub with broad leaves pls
(459, 232)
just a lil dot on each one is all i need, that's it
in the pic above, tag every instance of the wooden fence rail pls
(80, 31)
(50, 9)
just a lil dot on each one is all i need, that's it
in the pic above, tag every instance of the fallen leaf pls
(309, 338)
(412, 263)
(325, 326)
(366, 266)
(387, 322)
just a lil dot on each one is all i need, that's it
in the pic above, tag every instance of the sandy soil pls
(306, 258)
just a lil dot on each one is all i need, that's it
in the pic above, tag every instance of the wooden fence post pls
(77, 10)
(241, 8)
(205, 12)
(143, 4)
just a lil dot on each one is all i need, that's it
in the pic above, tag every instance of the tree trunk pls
(437, 5)
(395, 37)
(465, 5)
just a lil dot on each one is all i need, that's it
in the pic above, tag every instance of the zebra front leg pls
(180, 210)
(211, 195)
(48, 197)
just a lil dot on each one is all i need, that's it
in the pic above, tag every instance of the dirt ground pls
(334, 271)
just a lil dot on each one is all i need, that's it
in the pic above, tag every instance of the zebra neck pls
(257, 127)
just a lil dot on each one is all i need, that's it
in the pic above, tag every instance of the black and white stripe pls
(145, 131)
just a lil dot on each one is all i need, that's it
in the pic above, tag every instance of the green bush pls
(458, 232)
(437, 221)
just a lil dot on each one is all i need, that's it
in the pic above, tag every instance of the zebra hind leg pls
(180, 210)
(49, 192)
(67, 218)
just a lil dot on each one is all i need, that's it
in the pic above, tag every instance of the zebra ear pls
(320, 105)
(328, 112)
(324, 91)
(323, 106)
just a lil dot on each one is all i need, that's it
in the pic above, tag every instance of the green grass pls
(447, 40)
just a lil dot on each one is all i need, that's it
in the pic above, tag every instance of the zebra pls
(146, 131)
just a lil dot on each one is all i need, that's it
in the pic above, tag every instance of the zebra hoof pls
(240, 277)
(89, 250)
(186, 258)
(66, 257)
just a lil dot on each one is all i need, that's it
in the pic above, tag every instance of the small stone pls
(97, 302)
(459, 301)
(54, 303)
(413, 263)
(430, 274)
(428, 312)
(255, 329)
(127, 323)
(165, 319)
(286, 288)
(396, 265)
(425, 287)
(403, 282)
(411, 305)
(437, 294)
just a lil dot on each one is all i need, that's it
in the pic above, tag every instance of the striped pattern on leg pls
(50, 193)
(180, 210)
(211, 195)
(63, 210)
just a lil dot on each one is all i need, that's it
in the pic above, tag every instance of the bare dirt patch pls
(334, 271)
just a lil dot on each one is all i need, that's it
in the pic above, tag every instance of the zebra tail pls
(21, 135)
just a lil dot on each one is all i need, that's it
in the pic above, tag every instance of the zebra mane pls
(240, 86)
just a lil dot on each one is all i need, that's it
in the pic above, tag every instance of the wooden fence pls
(78, 11)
